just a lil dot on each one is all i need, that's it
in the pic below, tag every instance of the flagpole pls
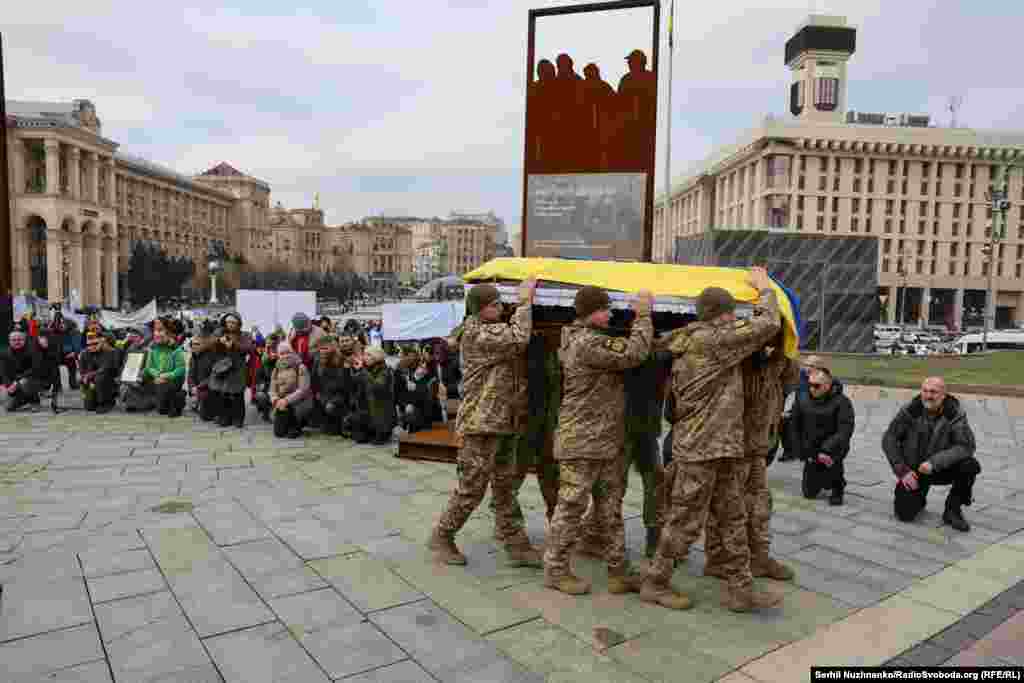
(668, 138)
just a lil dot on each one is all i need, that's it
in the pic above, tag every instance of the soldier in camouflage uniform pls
(489, 349)
(708, 468)
(766, 375)
(590, 438)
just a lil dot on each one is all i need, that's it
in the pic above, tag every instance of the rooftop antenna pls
(954, 107)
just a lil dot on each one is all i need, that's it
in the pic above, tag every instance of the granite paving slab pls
(368, 583)
(272, 569)
(48, 653)
(263, 653)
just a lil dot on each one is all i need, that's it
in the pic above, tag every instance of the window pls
(821, 224)
(932, 268)
(959, 171)
(799, 221)
(938, 189)
(888, 207)
(903, 227)
(837, 164)
(871, 167)
(823, 164)
(892, 168)
(999, 269)
(967, 268)
(855, 205)
(920, 227)
(956, 189)
(854, 224)
(906, 168)
(956, 211)
(954, 249)
(821, 203)
(835, 204)
(835, 184)
(935, 228)
(890, 187)
(801, 183)
(919, 266)
(923, 208)
(885, 265)
(952, 268)
(974, 170)
(867, 225)
(1016, 271)
(903, 207)
(1020, 251)
(967, 250)
(800, 203)
(984, 267)
(886, 246)
(970, 230)
(803, 163)
(856, 184)
(835, 223)
(903, 189)
(926, 168)
(888, 225)
(858, 165)
(822, 183)
(920, 247)
(871, 185)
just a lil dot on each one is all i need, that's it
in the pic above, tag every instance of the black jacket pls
(27, 363)
(909, 441)
(821, 425)
(333, 383)
(200, 368)
(106, 363)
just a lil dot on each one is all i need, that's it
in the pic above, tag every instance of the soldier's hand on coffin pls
(527, 290)
(759, 278)
(643, 303)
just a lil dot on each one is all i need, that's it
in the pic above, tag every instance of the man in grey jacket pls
(929, 443)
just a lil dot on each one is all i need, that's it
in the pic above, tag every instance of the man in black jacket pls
(24, 371)
(99, 365)
(821, 426)
(929, 443)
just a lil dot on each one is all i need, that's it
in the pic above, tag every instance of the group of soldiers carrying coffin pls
(724, 397)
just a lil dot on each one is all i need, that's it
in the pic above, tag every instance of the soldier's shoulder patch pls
(615, 344)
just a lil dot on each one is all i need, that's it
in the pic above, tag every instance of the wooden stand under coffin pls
(436, 444)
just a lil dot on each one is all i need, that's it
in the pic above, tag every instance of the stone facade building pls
(452, 246)
(79, 204)
(919, 189)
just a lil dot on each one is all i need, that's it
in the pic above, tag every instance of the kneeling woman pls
(230, 374)
(290, 393)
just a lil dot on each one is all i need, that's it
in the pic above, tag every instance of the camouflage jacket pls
(492, 372)
(591, 419)
(707, 382)
(764, 382)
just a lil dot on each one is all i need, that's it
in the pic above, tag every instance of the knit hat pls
(301, 322)
(375, 354)
(480, 297)
(590, 300)
(713, 302)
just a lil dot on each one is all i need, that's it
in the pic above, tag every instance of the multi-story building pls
(919, 189)
(453, 246)
(79, 204)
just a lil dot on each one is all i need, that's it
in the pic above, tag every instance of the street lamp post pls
(999, 201)
(215, 266)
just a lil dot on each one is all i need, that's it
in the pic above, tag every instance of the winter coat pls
(822, 425)
(910, 440)
(98, 362)
(375, 395)
(203, 358)
(491, 376)
(290, 381)
(591, 418)
(764, 393)
(28, 363)
(234, 380)
(164, 359)
(707, 382)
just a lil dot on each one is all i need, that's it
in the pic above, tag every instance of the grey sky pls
(418, 106)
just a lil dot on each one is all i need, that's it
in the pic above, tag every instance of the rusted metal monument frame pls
(534, 14)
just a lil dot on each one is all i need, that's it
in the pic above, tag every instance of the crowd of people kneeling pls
(308, 377)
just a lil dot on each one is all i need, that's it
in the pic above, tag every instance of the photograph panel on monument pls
(591, 120)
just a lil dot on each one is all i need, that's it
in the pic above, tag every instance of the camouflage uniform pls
(709, 470)
(590, 437)
(764, 381)
(486, 415)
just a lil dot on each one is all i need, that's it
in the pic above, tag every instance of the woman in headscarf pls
(290, 393)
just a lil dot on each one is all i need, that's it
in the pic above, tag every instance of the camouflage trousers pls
(577, 480)
(545, 466)
(758, 500)
(478, 466)
(653, 480)
(693, 490)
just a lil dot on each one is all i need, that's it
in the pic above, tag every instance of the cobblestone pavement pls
(142, 548)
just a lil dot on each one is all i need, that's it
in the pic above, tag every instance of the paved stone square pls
(143, 548)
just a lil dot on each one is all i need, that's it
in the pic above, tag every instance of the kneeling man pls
(929, 443)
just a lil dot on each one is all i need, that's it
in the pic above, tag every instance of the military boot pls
(664, 595)
(567, 583)
(954, 515)
(766, 566)
(624, 581)
(444, 548)
(523, 555)
(746, 599)
(653, 538)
